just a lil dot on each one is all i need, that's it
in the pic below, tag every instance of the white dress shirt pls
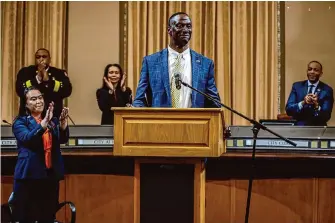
(313, 92)
(315, 86)
(186, 76)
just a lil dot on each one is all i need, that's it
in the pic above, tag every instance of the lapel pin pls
(318, 91)
(198, 61)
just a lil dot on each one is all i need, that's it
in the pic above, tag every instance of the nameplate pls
(332, 144)
(276, 143)
(8, 142)
(95, 142)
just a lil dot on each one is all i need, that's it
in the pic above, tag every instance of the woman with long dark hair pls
(113, 93)
(40, 165)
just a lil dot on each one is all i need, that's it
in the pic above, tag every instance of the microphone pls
(177, 80)
(5, 121)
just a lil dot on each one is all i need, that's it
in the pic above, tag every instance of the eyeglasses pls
(43, 56)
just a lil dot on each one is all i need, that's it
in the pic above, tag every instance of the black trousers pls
(35, 200)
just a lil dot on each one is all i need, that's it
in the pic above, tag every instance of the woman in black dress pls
(113, 93)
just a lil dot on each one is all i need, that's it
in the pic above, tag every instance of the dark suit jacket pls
(308, 115)
(154, 86)
(106, 101)
(56, 89)
(31, 162)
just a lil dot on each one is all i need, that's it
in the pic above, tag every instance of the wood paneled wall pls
(283, 191)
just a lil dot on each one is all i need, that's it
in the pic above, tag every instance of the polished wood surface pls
(101, 198)
(286, 188)
(6, 188)
(286, 155)
(199, 192)
(273, 200)
(168, 132)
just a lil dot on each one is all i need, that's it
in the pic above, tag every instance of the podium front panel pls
(168, 132)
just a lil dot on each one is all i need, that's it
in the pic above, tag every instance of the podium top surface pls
(167, 109)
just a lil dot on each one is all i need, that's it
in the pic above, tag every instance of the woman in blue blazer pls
(39, 166)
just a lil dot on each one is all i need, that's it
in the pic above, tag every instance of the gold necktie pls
(175, 93)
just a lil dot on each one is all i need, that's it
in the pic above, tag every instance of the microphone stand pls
(5, 121)
(255, 129)
(71, 120)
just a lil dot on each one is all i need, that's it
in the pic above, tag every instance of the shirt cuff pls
(38, 81)
(300, 105)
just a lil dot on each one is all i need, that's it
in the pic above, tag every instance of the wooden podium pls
(170, 146)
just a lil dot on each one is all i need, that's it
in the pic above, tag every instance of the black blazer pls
(106, 101)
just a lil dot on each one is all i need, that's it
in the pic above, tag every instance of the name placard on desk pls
(275, 143)
(95, 142)
(8, 142)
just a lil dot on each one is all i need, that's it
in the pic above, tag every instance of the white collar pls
(315, 84)
(175, 53)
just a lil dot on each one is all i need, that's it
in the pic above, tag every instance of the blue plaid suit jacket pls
(308, 116)
(154, 89)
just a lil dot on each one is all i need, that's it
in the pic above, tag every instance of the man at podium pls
(158, 84)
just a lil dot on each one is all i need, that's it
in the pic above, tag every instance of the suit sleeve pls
(60, 85)
(292, 105)
(64, 135)
(211, 89)
(127, 96)
(105, 101)
(22, 82)
(143, 85)
(324, 114)
(28, 137)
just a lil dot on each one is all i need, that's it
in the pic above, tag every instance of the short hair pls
(315, 61)
(44, 50)
(175, 14)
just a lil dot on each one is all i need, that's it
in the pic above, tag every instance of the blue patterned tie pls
(311, 89)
